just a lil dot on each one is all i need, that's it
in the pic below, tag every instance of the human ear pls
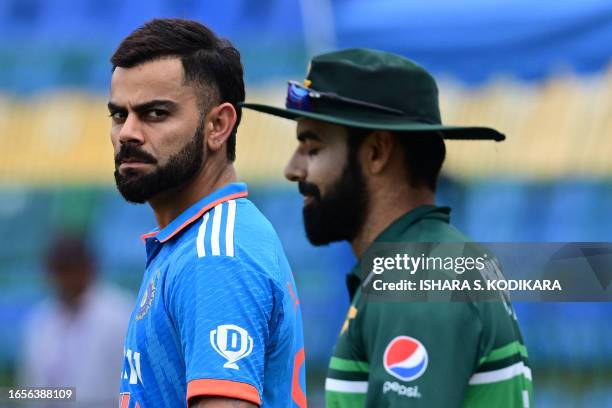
(220, 122)
(378, 149)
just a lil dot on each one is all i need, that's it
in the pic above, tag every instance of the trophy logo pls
(232, 343)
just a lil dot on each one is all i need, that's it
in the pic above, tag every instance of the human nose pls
(295, 169)
(131, 130)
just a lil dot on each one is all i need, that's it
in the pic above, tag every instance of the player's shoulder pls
(252, 225)
(235, 228)
(233, 232)
(433, 231)
(257, 244)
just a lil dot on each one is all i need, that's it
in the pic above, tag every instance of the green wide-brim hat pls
(380, 78)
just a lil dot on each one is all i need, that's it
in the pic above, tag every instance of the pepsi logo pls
(405, 358)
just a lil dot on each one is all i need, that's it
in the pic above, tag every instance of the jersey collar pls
(400, 225)
(228, 192)
(395, 230)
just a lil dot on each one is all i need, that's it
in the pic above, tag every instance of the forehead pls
(151, 80)
(325, 132)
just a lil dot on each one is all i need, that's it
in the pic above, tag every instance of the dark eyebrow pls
(113, 107)
(146, 106)
(303, 136)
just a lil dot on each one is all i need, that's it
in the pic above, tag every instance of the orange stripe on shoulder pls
(223, 388)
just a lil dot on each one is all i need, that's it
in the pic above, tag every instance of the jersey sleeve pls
(502, 377)
(421, 354)
(222, 313)
(347, 377)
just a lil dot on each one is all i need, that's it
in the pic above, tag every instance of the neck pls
(73, 303)
(385, 207)
(169, 204)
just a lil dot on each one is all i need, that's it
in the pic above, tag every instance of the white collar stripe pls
(201, 237)
(229, 232)
(216, 228)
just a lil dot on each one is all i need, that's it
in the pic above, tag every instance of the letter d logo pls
(232, 343)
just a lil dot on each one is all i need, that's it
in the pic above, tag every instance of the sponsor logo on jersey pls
(405, 358)
(147, 298)
(134, 376)
(401, 389)
(232, 342)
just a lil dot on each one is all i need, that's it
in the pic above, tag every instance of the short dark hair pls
(424, 152)
(209, 61)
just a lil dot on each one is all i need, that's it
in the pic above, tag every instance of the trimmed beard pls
(181, 168)
(340, 215)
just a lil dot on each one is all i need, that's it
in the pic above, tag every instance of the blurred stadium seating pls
(540, 72)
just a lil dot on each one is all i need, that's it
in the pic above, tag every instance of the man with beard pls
(217, 322)
(369, 154)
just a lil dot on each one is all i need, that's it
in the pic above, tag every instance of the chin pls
(318, 235)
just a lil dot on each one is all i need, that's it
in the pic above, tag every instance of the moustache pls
(309, 189)
(133, 152)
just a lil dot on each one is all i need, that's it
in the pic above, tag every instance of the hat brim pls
(399, 124)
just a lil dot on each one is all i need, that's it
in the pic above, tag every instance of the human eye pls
(156, 114)
(313, 147)
(313, 151)
(118, 116)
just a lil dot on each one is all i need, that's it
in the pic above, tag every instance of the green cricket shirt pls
(428, 354)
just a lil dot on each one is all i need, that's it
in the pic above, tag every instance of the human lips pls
(309, 191)
(132, 158)
(308, 199)
(132, 163)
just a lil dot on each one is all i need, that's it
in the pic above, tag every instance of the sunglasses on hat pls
(302, 98)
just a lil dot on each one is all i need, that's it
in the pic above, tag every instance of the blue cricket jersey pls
(217, 313)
